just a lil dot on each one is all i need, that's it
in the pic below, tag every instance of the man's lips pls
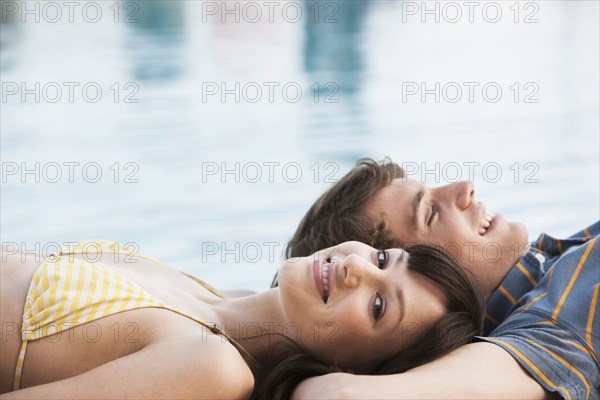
(494, 223)
(485, 221)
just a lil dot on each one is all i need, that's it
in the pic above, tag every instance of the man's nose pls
(461, 193)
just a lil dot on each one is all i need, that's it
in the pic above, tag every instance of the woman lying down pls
(118, 325)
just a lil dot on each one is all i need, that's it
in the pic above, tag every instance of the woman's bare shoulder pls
(224, 365)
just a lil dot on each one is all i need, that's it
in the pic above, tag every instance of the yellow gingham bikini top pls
(69, 291)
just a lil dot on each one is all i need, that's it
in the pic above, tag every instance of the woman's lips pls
(330, 269)
(317, 264)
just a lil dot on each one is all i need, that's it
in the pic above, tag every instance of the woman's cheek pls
(350, 325)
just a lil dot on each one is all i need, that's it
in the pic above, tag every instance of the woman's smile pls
(323, 273)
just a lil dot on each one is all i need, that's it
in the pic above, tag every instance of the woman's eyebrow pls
(399, 292)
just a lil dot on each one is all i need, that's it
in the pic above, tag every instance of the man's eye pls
(382, 259)
(377, 307)
(432, 214)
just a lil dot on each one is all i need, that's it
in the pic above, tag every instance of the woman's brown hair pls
(279, 376)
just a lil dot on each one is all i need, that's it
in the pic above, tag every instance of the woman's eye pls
(377, 307)
(432, 214)
(382, 259)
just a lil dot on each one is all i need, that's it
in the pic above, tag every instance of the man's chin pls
(520, 236)
(522, 229)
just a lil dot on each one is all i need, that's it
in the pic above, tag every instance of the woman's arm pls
(474, 371)
(182, 368)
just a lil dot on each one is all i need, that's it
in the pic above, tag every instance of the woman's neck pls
(255, 321)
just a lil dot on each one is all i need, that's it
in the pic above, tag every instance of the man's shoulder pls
(555, 333)
(553, 329)
(558, 316)
(565, 292)
(590, 231)
(524, 277)
(552, 247)
(545, 270)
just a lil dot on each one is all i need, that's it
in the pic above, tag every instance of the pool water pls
(204, 142)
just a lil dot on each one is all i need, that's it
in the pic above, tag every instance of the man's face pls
(449, 217)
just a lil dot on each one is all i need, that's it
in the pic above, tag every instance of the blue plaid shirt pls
(545, 314)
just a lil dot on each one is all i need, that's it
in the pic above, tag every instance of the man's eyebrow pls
(416, 206)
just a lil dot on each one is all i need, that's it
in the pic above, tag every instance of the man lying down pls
(542, 330)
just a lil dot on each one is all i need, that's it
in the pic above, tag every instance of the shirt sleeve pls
(555, 335)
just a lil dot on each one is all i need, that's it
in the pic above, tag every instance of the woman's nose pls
(357, 270)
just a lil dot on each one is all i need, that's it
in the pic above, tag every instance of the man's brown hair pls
(338, 215)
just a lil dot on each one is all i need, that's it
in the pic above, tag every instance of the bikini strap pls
(246, 355)
(19, 367)
(205, 285)
(214, 328)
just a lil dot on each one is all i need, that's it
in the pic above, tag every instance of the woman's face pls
(355, 306)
